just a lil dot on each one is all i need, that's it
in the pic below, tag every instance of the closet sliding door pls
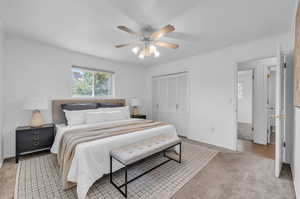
(182, 105)
(172, 100)
(169, 98)
(155, 99)
(160, 99)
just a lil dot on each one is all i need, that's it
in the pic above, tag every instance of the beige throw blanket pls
(72, 138)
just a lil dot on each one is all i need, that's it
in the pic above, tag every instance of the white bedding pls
(91, 159)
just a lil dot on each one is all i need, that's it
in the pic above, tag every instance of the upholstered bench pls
(130, 154)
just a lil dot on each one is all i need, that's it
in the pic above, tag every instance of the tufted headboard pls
(58, 115)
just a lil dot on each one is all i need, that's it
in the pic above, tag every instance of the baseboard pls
(295, 188)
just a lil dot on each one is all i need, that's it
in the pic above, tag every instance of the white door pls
(163, 100)
(280, 112)
(155, 99)
(260, 110)
(172, 98)
(181, 105)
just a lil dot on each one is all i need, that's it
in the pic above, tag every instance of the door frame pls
(248, 65)
(252, 92)
(271, 61)
(270, 69)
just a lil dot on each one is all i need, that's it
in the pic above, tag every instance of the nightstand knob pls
(36, 143)
(36, 137)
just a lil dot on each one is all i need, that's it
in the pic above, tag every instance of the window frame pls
(94, 71)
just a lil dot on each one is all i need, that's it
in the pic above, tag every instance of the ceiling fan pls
(148, 40)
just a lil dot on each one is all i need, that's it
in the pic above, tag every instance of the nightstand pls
(30, 139)
(139, 116)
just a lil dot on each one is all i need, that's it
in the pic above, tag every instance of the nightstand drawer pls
(30, 139)
(27, 141)
(139, 116)
(46, 137)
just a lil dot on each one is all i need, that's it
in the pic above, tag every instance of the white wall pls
(33, 68)
(1, 90)
(212, 79)
(245, 100)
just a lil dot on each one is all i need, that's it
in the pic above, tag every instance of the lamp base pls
(135, 111)
(36, 119)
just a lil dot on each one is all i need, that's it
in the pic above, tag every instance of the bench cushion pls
(138, 151)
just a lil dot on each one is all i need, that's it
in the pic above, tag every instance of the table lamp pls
(36, 105)
(135, 103)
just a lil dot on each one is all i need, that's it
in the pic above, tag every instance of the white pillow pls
(80, 117)
(77, 117)
(124, 109)
(106, 116)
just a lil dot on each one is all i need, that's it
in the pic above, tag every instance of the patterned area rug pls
(38, 177)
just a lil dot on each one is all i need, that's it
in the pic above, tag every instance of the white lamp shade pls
(35, 103)
(135, 102)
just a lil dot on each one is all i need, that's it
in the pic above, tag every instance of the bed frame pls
(58, 116)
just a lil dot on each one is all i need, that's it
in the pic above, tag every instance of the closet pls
(170, 100)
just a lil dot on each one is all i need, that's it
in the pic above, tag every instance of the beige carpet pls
(239, 176)
(38, 177)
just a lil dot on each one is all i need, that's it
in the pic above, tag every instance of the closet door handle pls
(177, 106)
(157, 106)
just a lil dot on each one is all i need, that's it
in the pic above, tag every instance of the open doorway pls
(256, 98)
(245, 105)
(271, 104)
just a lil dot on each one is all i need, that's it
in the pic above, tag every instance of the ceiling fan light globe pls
(141, 56)
(135, 50)
(156, 53)
(152, 48)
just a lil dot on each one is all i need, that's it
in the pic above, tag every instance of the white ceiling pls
(89, 26)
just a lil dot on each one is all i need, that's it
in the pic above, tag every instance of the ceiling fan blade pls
(124, 28)
(163, 31)
(166, 44)
(122, 45)
(188, 37)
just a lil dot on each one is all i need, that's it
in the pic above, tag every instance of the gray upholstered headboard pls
(58, 115)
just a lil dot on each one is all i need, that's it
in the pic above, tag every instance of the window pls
(92, 83)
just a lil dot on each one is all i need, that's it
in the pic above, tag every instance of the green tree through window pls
(103, 84)
(89, 83)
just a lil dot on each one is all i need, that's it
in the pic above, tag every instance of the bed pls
(91, 159)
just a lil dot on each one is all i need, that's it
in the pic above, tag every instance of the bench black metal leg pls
(110, 173)
(179, 155)
(179, 152)
(126, 171)
(126, 182)
(112, 182)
